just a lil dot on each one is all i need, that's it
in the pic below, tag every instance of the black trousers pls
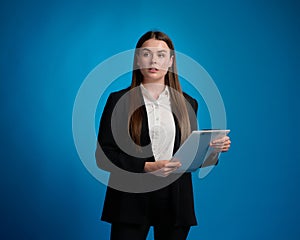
(123, 231)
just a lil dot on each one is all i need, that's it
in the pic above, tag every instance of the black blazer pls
(128, 207)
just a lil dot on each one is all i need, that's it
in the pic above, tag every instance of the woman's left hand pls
(221, 144)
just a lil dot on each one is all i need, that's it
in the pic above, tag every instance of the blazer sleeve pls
(213, 158)
(108, 154)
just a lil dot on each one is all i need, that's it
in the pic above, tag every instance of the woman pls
(155, 113)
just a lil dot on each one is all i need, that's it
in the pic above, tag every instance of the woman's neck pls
(155, 89)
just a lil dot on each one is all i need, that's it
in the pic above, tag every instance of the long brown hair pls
(178, 104)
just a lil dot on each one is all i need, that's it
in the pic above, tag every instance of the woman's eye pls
(161, 55)
(146, 54)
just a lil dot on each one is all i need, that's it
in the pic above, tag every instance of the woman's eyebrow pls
(162, 51)
(147, 49)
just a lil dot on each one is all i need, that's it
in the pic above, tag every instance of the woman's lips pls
(153, 70)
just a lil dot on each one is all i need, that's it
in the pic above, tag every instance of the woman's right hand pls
(162, 168)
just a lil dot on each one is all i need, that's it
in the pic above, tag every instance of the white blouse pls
(161, 123)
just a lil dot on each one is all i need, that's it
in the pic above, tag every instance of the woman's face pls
(154, 59)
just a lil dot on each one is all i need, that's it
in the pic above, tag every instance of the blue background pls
(251, 50)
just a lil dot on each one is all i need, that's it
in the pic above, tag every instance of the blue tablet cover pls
(196, 150)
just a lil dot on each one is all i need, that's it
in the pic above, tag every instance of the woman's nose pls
(153, 59)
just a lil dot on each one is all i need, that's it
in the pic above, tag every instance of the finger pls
(164, 172)
(161, 163)
(221, 140)
(217, 146)
(227, 144)
(173, 164)
(169, 171)
(225, 149)
(221, 144)
(159, 173)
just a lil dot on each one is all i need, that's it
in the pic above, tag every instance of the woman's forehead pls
(153, 44)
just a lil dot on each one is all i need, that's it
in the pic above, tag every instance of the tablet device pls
(196, 152)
